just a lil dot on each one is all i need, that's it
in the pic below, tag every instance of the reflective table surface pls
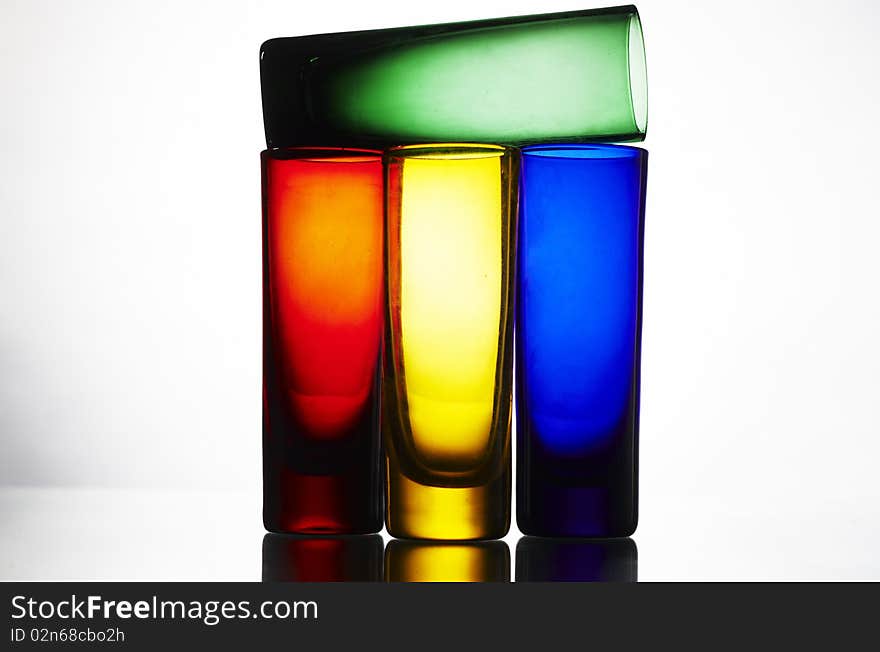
(125, 534)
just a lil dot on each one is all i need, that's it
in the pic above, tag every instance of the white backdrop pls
(130, 254)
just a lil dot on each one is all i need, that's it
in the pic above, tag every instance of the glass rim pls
(583, 151)
(448, 151)
(324, 154)
(637, 71)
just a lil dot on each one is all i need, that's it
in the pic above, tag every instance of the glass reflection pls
(435, 561)
(297, 558)
(541, 559)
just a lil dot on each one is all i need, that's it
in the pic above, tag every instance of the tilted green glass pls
(574, 76)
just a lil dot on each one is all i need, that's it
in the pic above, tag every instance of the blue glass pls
(578, 335)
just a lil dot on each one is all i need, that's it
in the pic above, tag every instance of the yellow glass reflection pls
(416, 561)
(447, 397)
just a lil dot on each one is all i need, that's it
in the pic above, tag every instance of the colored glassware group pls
(400, 279)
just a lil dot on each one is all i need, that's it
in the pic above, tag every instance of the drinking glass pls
(322, 331)
(448, 344)
(577, 75)
(578, 339)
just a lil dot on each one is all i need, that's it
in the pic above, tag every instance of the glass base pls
(557, 511)
(417, 511)
(320, 504)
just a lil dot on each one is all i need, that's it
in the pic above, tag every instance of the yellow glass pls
(447, 399)
(416, 561)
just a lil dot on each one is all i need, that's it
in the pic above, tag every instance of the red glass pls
(322, 327)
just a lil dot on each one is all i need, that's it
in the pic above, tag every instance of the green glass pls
(574, 76)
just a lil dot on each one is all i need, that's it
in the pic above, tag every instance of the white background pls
(130, 284)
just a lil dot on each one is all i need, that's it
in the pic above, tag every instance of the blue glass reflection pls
(540, 559)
